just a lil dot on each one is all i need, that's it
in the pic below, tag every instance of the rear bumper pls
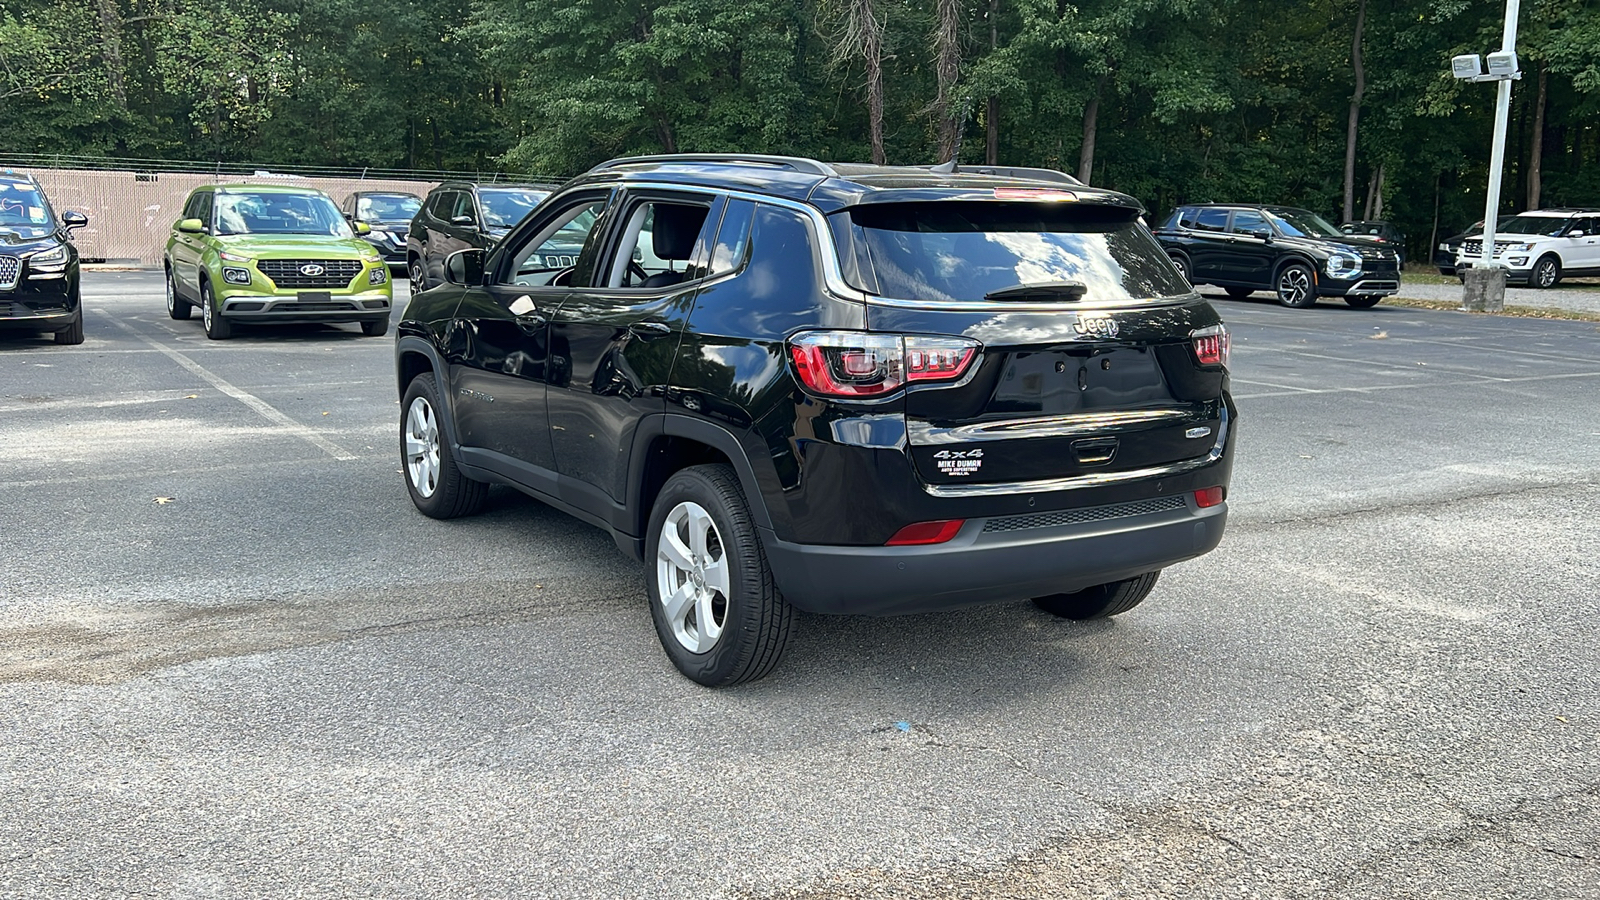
(988, 566)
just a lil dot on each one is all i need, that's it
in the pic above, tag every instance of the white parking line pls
(266, 410)
(1479, 381)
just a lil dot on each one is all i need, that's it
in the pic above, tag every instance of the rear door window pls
(1210, 220)
(962, 251)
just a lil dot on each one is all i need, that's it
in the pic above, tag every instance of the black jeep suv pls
(1294, 253)
(38, 264)
(842, 388)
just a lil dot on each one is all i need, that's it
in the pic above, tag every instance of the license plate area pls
(314, 296)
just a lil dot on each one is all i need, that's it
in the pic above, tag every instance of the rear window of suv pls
(961, 251)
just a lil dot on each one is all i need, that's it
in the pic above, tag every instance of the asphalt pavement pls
(235, 662)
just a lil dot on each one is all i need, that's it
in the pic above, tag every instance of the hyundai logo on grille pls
(311, 270)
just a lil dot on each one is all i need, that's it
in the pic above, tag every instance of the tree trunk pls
(1438, 192)
(111, 50)
(991, 117)
(1091, 121)
(1355, 116)
(873, 50)
(1374, 205)
(947, 69)
(1536, 151)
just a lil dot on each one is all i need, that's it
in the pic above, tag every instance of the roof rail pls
(1013, 172)
(797, 163)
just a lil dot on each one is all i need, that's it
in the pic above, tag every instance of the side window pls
(557, 246)
(733, 238)
(1586, 226)
(202, 208)
(1184, 218)
(464, 207)
(439, 205)
(1210, 220)
(659, 244)
(1248, 221)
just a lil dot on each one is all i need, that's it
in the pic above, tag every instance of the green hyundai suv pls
(258, 254)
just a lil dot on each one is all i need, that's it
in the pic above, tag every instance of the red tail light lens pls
(926, 533)
(1208, 497)
(857, 364)
(1211, 345)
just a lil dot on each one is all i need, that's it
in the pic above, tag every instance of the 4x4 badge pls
(1098, 326)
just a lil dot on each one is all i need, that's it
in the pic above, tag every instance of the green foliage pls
(1195, 99)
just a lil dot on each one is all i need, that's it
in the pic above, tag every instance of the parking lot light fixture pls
(1484, 285)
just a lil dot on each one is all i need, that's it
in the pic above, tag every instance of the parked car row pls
(1539, 247)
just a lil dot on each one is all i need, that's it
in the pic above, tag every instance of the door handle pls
(645, 331)
(532, 322)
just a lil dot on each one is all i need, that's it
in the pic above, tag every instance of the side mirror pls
(73, 219)
(461, 220)
(363, 228)
(1264, 233)
(191, 226)
(464, 267)
(1579, 233)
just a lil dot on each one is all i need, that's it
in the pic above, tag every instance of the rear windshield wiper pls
(1041, 290)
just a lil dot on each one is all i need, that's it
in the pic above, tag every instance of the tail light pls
(1211, 345)
(857, 364)
(926, 533)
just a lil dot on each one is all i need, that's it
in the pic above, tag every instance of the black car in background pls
(1292, 252)
(389, 215)
(459, 215)
(845, 389)
(1444, 252)
(1379, 232)
(38, 264)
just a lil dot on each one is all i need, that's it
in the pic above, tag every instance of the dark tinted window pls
(503, 207)
(1210, 220)
(441, 204)
(963, 251)
(1248, 221)
(733, 238)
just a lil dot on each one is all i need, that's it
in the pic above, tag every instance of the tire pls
(438, 489)
(176, 309)
(1546, 272)
(716, 608)
(418, 276)
(1182, 266)
(1239, 293)
(375, 327)
(1296, 286)
(1101, 601)
(217, 328)
(72, 334)
(1363, 301)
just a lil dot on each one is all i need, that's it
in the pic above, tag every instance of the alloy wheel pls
(692, 577)
(172, 298)
(1294, 285)
(419, 278)
(422, 447)
(1546, 273)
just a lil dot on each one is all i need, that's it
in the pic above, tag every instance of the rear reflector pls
(927, 532)
(1212, 345)
(1211, 496)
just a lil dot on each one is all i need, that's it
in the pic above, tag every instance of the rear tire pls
(437, 487)
(418, 276)
(1101, 601)
(1363, 301)
(375, 327)
(1239, 293)
(176, 308)
(1182, 266)
(217, 328)
(715, 605)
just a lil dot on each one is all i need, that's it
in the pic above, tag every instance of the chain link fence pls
(133, 204)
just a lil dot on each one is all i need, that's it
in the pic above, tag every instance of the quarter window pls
(733, 238)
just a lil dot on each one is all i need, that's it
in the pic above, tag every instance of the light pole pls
(1484, 284)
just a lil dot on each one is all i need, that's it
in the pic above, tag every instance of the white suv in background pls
(1541, 246)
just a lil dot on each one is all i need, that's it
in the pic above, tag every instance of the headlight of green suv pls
(235, 275)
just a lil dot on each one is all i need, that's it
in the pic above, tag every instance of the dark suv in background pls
(388, 214)
(38, 264)
(840, 388)
(458, 215)
(1294, 253)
